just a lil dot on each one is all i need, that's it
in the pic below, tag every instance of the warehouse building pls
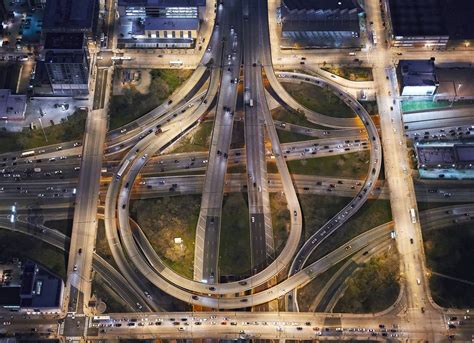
(417, 77)
(455, 84)
(65, 68)
(159, 23)
(29, 287)
(321, 23)
(445, 155)
(430, 23)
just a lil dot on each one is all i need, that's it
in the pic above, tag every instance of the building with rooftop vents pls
(321, 23)
(417, 77)
(430, 23)
(159, 23)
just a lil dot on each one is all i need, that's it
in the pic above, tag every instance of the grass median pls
(318, 99)
(280, 220)
(132, 104)
(351, 165)
(234, 248)
(351, 73)
(198, 139)
(166, 218)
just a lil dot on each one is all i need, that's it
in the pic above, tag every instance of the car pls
(74, 268)
(411, 240)
(418, 281)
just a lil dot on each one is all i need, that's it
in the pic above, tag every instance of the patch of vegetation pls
(238, 135)
(321, 100)
(371, 107)
(234, 249)
(102, 245)
(288, 136)
(449, 252)
(14, 244)
(280, 220)
(353, 165)
(372, 214)
(421, 105)
(198, 139)
(372, 288)
(351, 73)
(114, 303)
(69, 130)
(294, 117)
(64, 226)
(166, 218)
(237, 168)
(132, 104)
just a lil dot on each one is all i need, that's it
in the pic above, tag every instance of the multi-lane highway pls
(134, 152)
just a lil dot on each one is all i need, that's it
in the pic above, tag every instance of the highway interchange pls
(99, 177)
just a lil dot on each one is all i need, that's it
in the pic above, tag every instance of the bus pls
(122, 169)
(413, 215)
(27, 153)
(176, 64)
(99, 318)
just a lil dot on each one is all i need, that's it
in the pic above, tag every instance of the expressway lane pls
(356, 203)
(260, 222)
(206, 250)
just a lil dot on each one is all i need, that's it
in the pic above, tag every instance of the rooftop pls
(457, 82)
(163, 3)
(74, 56)
(11, 106)
(417, 72)
(451, 18)
(64, 41)
(160, 23)
(444, 154)
(320, 4)
(69, 15)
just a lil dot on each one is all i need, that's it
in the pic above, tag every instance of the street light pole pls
(42, 128)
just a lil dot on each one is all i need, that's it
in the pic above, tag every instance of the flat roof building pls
(159, 23)
(430, 23)
(320, 23)
(70, 16)
(67, 72)
(455, 84)
(417, 77)
(445, 155)
(35, 288)
(12, 107)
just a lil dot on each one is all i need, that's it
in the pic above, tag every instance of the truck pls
(413, 215)
(37, 170)
(27, 153)
(122, 169)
